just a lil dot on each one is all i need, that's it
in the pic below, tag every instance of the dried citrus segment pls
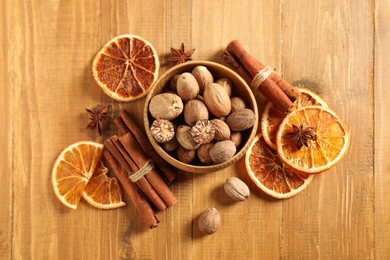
(328, 146)
(270, 174)
(271, 119)
(126, 67)
(73, 169)
(102, 191)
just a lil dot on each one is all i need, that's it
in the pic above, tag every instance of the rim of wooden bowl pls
(223, 71)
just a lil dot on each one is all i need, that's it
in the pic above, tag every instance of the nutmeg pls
(222, 130)
(226, 84)
(162, 130)
(236, 189)
(184, 155)
(173, 82)
(165, 106)
(195, 110)
(183, 136)
(237, 104)
(217, 100)
(222, 151)
(203, 131)
(200, 97)
(187, 87)
(209, 221)
(203, 153)
(236, 138)
(241, 120)
(171, 145)
(203, 76)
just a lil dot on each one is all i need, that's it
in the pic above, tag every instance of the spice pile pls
(300, 135)
(200, 122)
(197, 120)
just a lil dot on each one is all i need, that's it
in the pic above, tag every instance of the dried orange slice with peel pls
(329, 144)
(271, 119)
(73, 169)
(102, 191)
(79, 172)
(126, 67)
(270, 174)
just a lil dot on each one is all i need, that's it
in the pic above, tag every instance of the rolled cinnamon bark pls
(121, 126)
(125, 161)
(136, 196)
(143, 183)
(136, 153)
(239, 68)
(254, 66)
(146, 146)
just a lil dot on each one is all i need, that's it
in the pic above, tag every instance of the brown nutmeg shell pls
(222, 151)
(209, 221)
(203, 76)
(195, 110)
(184, 155)
(222, 130)
(241, 120)
(183, 136)
(237, 104)
(187, 87)
(165, 106)
(217, 100)
(203, 153)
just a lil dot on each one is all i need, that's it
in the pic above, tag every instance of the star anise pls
(301, 135)
(180, 55)
(97, 116)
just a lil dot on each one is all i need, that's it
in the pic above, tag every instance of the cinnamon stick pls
(143, 183)
(229, 59)
(136, 196)
(267, 87)
(254, 66)
(121, 126)
(135, 151)
(129, 167)
(146, 146)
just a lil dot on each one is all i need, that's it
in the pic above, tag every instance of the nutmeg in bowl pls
(193, 122)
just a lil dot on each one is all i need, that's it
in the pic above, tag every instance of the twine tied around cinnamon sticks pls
(136, 176)
(260, 77)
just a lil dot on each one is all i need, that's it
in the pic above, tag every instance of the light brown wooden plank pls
(382, 133)
(332, 42)
(54, 46)
(249, 230)
(6, 125)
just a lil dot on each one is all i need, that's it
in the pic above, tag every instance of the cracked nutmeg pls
(203, 131)
(162, 130)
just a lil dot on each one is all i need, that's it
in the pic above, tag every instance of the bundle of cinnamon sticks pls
(276, 89)
(144, 175)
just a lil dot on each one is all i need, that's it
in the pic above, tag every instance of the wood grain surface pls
(339, 47)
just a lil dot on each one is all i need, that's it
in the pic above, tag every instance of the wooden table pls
(46, 82)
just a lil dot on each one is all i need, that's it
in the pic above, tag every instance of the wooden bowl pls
(240, 89)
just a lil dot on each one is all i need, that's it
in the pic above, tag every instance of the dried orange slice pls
(329, 142)
(103, 192)
(270, 174)
(73, 169)
(126, 67)
(271, 119)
